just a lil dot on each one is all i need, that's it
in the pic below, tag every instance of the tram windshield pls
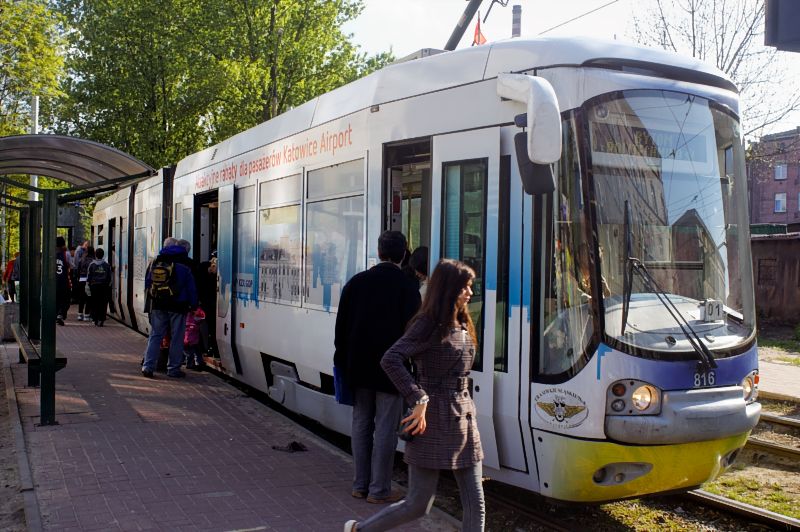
(673, 240)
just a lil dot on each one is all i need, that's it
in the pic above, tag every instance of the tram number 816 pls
(704, 378)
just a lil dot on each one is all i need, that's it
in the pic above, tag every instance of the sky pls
(405, 26)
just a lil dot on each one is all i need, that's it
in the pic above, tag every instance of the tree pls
(728, 34)
(29, 60)
(161, 79)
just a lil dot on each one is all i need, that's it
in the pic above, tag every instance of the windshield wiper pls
(627, 274)
(634, 264)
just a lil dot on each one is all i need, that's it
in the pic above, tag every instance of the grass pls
(791, 345)
(782, 408)
(794, 361)
(769, 496)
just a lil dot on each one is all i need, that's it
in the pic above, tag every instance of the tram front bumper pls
(688, 416)
(578, 470)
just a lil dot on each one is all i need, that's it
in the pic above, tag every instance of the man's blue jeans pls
(161, 323)
(376, 416)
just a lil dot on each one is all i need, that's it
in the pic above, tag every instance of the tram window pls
(280, 255)
(334, 232)
(503, 236)
(244, 275)
(339, 179)
(281, 191)
(245, 198)
(464, 229)
(567, 320)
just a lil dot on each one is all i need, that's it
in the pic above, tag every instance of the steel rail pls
(780, 420)
(748, 511)
(756, 444)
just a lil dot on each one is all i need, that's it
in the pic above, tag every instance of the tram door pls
(407, 204)
(226, 309)
(113, 261)
(464, 179)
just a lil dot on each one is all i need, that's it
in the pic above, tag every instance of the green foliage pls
(161, 79)
(29, 60)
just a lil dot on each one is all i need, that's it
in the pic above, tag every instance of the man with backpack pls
(98, 279)
(170, 294)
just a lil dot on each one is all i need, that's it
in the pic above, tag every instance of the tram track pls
(761, 445)
(740, 509)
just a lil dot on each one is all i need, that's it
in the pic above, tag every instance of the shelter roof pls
(84, 164)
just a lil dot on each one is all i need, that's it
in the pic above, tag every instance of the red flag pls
(479, 38)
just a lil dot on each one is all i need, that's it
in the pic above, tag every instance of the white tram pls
(614, 296)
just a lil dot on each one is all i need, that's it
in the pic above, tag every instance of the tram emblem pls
(561, 408)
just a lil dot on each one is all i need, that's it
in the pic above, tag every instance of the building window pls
(780, 202)
(780, 171)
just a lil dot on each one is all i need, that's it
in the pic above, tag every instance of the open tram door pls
(226, 309)
(464, 175)
(113, 261)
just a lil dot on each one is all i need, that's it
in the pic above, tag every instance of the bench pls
(29, 354)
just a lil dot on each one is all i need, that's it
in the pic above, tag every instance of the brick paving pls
(132, 453)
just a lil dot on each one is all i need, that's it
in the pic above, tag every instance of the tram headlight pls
(643, 397)
(750, 387)
(633, 397)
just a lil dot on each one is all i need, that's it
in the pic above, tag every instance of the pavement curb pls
(33, 516)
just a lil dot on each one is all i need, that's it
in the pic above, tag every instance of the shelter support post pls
(24, 281)
(34, 273)
(48, 330)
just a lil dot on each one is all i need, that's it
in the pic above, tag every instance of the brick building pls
(774, 179)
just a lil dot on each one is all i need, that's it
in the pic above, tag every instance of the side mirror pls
(540, 146)
(536, 178)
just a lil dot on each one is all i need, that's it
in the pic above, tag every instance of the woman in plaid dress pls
(441, 341)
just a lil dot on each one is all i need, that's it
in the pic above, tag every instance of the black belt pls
(456, 384)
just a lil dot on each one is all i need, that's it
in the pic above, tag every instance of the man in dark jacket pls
(374, 309)
(62, 280)
(175, 296)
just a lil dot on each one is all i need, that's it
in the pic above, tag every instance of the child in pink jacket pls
(191, 339)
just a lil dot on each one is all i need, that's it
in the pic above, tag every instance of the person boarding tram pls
(374, 309)
(171, 293)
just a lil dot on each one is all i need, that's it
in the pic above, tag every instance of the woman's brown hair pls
(449, 278)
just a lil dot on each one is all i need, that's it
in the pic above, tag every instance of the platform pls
(131, 453)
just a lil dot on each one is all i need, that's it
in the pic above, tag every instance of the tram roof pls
(83, 163)
(451, 69)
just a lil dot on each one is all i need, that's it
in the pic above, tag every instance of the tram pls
(598, 190)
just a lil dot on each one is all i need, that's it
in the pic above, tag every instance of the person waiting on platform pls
(62, 281)
(99, 281)
(11, 276)
(442, 430)
(84, 310)
(374, 309)
(171, 293)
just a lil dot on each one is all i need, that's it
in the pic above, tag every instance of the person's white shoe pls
(350, 526)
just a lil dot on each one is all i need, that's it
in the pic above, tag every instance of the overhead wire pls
(579, 17)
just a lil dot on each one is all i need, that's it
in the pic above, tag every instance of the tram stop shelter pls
(89, 168)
